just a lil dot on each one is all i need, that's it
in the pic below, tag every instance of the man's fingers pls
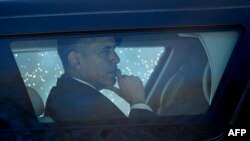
(118, 73)
(119, 76)
(118, 91)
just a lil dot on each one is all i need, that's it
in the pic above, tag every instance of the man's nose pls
(114, 58)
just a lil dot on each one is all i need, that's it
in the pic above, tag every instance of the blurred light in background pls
(40, 70)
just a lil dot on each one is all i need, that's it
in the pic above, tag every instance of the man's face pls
(98, 63)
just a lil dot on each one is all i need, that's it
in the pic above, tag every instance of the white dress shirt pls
(135, 106)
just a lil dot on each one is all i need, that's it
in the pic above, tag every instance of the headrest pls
(206, 83)
(36, 101)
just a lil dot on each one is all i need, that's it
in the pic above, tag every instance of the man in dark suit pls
(90, 64)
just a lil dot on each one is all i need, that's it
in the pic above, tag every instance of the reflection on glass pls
(40, 70)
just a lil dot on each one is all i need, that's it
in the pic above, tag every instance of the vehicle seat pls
(206, 83)
(38, 105)
(183, 93)
(173, 85)
(36, 101)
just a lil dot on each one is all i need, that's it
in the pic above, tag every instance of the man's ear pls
(74, 59)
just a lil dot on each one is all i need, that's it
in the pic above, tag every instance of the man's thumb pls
(118, 73)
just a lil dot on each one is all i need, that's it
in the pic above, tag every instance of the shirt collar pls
(84, 82)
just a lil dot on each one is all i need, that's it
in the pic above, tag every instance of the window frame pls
(195, 122)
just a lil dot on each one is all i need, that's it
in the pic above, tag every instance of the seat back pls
(206, 83)
(183, 92)
(38, 105)
(172, 87)
(36, 101)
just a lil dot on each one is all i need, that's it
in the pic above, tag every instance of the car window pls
(180, 70)
(40, 73)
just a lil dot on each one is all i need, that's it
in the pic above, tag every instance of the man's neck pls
(84, 82)
(80, 78)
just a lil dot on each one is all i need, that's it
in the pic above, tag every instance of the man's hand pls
(131, 88)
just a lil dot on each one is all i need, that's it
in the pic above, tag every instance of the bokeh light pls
(40, 70)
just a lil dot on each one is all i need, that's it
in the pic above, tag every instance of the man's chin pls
(111, 81)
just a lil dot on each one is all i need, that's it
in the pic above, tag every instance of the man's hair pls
(65, 46)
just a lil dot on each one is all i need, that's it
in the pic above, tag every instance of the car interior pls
(180, 70)
(178, 83)
(192, 58)
(181, 80)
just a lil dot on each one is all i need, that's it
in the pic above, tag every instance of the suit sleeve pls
(141, 110)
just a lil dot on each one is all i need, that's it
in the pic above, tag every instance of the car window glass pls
(179, 70)
(40, 69)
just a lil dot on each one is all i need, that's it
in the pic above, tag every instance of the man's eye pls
(104, 52)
